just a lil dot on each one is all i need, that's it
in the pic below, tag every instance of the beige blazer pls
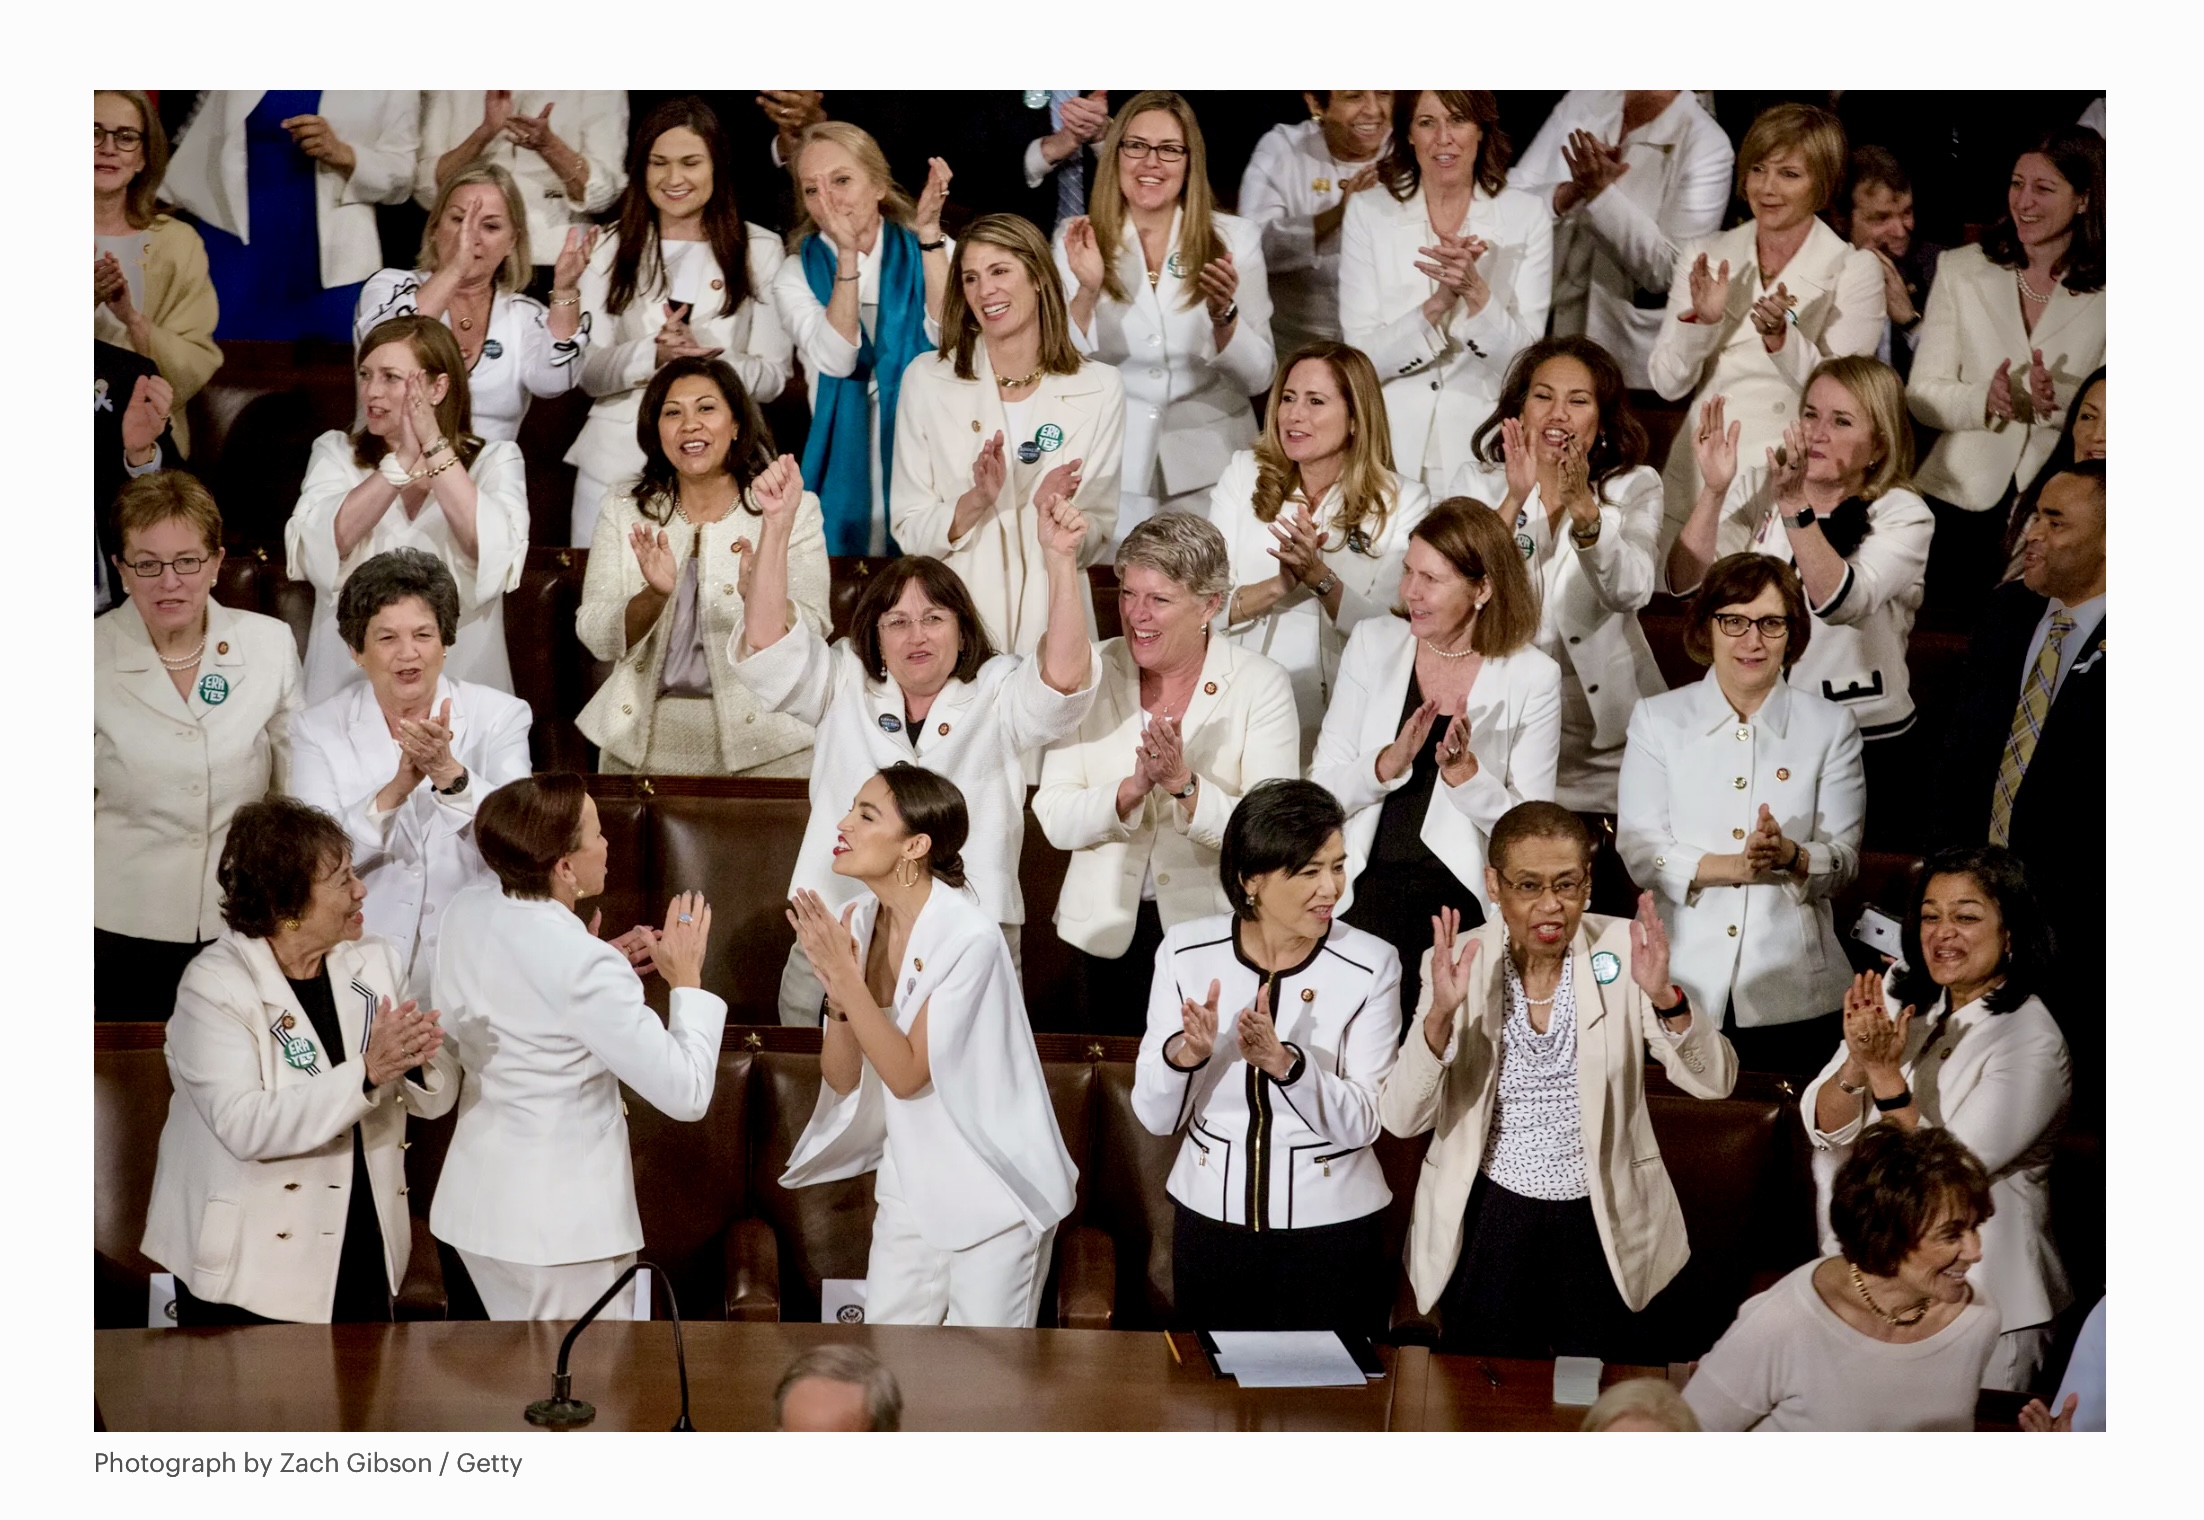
(1971, 326)
(255, 1172)
(180, 308)
(1240, 728)
(1641, 1226)
(617, 718)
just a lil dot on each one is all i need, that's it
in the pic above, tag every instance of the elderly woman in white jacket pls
(1753, 310)
(1005, 415)
(537, 1194)
(1839, 505)
(680, 275)
(1964, 1044)
(415, 476)
(295, 1056)
(1296, 188)
(1173, 292)
(1586, 512)
(1444, 278)
(1444, 718)
(918, 679)
(1741, 803)
(1316, 522)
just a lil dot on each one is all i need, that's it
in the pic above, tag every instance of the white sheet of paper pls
(642, 1292)
(842, 1301)
(1287, 1359)
(1576, 1380)
(160, 1301)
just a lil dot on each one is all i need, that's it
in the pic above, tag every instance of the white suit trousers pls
(512, 1290)
(908, 1282)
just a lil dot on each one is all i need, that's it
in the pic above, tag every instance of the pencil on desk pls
(1173, 1347)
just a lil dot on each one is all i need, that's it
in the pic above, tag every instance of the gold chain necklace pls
(1912, 1316)
(1024, 380)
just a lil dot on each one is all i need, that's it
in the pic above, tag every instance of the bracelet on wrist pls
(1902, 1098)
(935, 246)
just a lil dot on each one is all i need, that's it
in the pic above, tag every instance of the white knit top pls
(1536, 1148)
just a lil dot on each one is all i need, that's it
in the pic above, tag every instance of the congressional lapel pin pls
(975, 424)
(214, 690)
(1308, 994)
(890, 724)
(918, 963)
(943, 730)
(492, 349)
(1606, 966)
(1209, 688)
(1782, 773)
(1035, 100)
(1049, 436)
(223, 647)
(1523, 542)
(1175, 266)
(289, 1022)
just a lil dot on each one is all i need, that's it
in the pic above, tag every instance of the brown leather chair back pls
(243, 582)
(691, 1183)
(552, 672)
(546, 433)
(1053, 975)
(130, 1093)
(824, 1230)
(739, 851)
(847, 577)
(1102, 590)
(1125, 1198)
(623, 813)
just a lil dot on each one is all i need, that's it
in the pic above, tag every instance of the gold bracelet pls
(440, 469)
(559, 300)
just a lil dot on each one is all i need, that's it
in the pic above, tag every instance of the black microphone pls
(562, 1411)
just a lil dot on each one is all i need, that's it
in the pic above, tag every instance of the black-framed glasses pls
(183, 564)
(1734, 624)
(1140, 147)
(125, 139)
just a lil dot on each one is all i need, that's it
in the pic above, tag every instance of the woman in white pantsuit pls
(538, 1191)
(928, 1073)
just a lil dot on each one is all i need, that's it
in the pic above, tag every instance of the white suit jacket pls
(1514, 713)
(1641, 1225)
(1186, 405)
(1239, 729)
(416, 857)
(548, 1021)
(1291, 178)
(623, 345)
(999, 1159)
(1693, 779)
(1615, 255)
(501, 543)
(1972, 325)
(1840, 311)
(168, 773)
(1296, 631)
(594, 123)
(254, 1180)
(1443, 382)
(1999, 1082)
(520, 360)
(941, 423)
(383, 129)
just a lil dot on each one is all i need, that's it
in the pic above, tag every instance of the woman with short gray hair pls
(1182, 725)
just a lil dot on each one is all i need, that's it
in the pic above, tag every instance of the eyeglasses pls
(125, 139)
(900, 626)
(1567, 888)
(183, 564)
(1734, 624)
(1140, 147)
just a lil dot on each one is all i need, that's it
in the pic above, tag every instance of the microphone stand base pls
(561, 1414)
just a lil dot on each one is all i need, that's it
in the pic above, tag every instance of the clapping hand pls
(1715, 447)
(1771, 314)
(1897, 300)
(680, 945)
(145, 416)
(574, 254)
(636, 944)
(2042, 398)
(778, 489)
(827, 942)
(2036, 1416)
(1364, 178)
(1522, 465)
(675, 341)
(1765, 847)
(1197, 1034)
(926, 220)
(1593, 165)
(1449, 978)
(654, 557)
(1300, 550)
(108, 280)
(1220, 282)
(1575, 486)
(497, 109)
(1062, 527)
(1083, 254)
(420, 416)
(532, 132)
(1452, 263)
(1087, 116)
(1787, 471)
(1163, 756)
(403, 1037)
(989, 469)
(1457, 761)
(1710, 292)
(791, 111)
(1873, 1038)
(1414, 729)
(1258, 1038)
(1649, 949)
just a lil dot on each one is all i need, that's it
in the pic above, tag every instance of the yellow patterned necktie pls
(2028, 720)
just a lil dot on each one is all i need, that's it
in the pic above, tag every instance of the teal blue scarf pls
(837, 454)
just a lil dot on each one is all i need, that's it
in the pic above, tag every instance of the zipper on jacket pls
(1258, 1137)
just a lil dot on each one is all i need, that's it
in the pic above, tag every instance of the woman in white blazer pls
(1964, 1044)
(1295, 189)
(1183, 723)
(662, 595)
(1741, 804)
(469, 276)
(1004, 416)
(1753, 310)
(257, 168)
(2014, 325)
(403, 760)
(1586, 513)
(918, 679)
(928, 1073)
(537, 1194)
(1173, 292)
(681, 275)
(1544, 1219)
(1278, 1198)
(1841, 508)
(566, 172)
(1316, 521)
(294, 1057)
(1444, 718)
(1444, 278)
(415, 476)
(861, 296)
(192, 708)
(1631, 176)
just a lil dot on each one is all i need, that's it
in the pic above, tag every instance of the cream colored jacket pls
(181, 309)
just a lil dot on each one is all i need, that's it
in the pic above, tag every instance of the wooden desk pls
(1437, 1392)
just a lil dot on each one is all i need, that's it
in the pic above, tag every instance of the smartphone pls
(1878, 931)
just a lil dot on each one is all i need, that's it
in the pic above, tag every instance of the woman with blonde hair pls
(1444, 717)
(472, 267)
(1005, 415)
(415, 476)
(1173, 292)
(151, 292)
(861, 295)
(1316, 519)
(1836, 501)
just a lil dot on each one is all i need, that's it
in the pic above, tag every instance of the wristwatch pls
(1192, 783)
(1804, 519)
(1231, 315)
(1324, 586)
(456, 787)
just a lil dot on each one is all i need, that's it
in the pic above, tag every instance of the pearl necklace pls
(2020, 278)
(1447, 654)
(1904, 1318)
(184, 662)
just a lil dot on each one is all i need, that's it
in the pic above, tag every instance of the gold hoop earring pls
(906, 871)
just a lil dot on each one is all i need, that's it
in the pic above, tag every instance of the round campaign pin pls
(300, 1053)
(1523, 542)
(890, 724)
(214, 690)
(1049, 436)
(1035, 99)
(1606, 966)
(1175, 266)
(1028, 452)
(492, 349)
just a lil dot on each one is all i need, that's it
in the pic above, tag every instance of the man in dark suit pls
(130, 437)
(2025, 757)
(1878, 216)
